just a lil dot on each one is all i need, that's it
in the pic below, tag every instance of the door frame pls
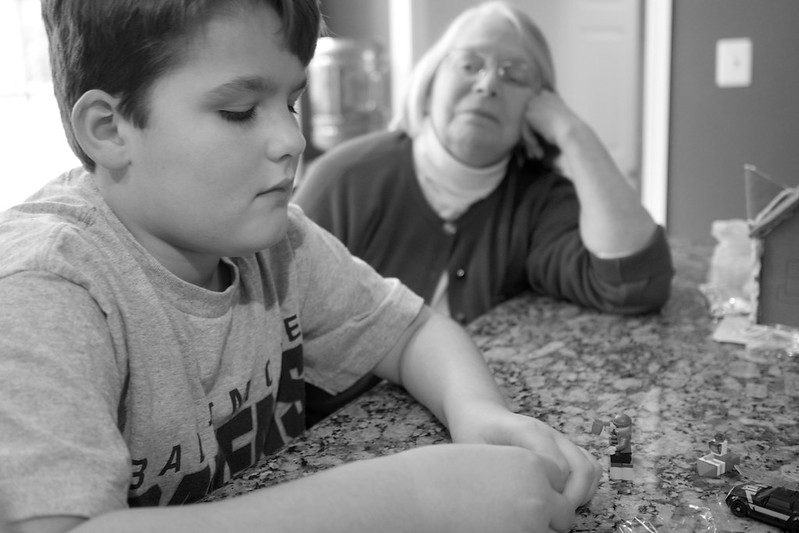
(658, 16)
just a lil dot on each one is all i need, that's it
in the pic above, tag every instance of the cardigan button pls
(450, 228)
(460, 273)
(460, 317)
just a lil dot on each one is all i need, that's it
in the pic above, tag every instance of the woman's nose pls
(488, 82)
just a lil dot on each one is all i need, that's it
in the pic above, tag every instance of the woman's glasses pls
(472, 65)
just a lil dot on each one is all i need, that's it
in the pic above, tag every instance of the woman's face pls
(481, 90)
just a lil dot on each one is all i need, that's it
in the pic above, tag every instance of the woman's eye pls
(470, 66)
(238, 116)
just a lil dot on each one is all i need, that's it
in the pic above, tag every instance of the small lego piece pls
(620, 450)
(719, 460)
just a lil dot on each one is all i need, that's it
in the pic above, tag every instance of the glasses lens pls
(470, 64)
(516, 73)
(467, 63)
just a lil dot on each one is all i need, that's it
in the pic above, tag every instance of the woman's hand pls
(492, 424)
(613, 222)
(548, 116)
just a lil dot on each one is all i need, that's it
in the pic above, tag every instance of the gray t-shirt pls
(121, 384)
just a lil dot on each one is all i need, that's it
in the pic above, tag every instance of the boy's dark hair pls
(123, 46)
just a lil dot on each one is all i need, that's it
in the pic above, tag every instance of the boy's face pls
(212, 172)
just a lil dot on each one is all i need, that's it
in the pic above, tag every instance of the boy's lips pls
(284, 187)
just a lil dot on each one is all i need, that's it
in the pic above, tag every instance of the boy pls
(163, 306)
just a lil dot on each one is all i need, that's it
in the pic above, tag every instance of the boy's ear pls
(96, 123)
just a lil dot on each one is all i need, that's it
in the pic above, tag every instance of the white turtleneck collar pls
(449, 185)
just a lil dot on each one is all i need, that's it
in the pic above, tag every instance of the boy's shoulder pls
(52, 226)
(303, 236)
(298, 227)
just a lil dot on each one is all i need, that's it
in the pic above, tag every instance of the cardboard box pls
(775, 231)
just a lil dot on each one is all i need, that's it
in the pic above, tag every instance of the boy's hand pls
(443, 369)
(579, 471)
(473, 487)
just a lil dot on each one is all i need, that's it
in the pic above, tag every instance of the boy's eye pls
(238, 116)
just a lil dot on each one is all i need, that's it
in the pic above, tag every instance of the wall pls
(715, 131)
(360, 19)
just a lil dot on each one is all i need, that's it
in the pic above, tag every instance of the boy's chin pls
(266, 239)
(257, 234)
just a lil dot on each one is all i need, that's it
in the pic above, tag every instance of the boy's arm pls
(468, 488)
(463, 487)
(442, 368)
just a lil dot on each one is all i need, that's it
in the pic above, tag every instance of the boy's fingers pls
(555, 507)
(582, 482)
(597, 473)
(557, 472)
(562, 513)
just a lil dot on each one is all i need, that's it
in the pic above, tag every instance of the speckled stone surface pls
(568, 366)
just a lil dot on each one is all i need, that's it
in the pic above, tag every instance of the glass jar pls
(348, 90)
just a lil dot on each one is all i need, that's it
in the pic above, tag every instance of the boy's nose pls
(284, 139)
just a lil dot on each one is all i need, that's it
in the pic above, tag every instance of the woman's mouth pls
(480, 113)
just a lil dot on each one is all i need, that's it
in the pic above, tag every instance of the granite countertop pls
(567, 366)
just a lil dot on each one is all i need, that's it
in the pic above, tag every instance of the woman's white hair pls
(414, 108)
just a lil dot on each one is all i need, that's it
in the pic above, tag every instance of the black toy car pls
(778, 506)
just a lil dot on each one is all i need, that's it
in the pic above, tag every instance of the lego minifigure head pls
(622, 421)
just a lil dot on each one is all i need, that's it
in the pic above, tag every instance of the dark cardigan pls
(523, 236)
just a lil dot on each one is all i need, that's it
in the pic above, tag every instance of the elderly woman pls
(489, 185)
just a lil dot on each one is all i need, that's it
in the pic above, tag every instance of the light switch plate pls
(734, 62)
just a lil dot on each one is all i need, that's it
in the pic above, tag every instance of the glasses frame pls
(472, 64)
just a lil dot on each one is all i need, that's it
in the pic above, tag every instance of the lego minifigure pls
(719, 460)
(718, 445)
(620, 450)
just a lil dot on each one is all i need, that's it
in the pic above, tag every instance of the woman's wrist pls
(574, 134)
